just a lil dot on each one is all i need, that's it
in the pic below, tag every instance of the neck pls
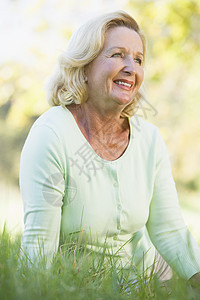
(100, 123)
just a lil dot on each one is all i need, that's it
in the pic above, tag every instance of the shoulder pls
(52, 128)
(45, 137)
(54, 117)
(148, 137)
(144, 130)
(149, 141)
(56, 120)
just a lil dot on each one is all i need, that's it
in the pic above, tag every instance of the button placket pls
(113, 170)
(118, 204)
(115, 184)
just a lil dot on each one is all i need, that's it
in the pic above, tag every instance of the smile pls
(123, 83)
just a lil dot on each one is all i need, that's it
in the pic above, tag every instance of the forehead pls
(123, 37)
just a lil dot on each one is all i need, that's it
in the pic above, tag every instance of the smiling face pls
(115, 76)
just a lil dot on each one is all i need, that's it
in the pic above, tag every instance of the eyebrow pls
(122, 48)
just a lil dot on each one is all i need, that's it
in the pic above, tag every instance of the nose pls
(130, 67)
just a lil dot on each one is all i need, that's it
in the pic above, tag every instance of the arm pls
(195, 279)
(42, 189)
(165, 225)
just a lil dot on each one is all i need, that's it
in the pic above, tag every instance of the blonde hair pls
(67, 84)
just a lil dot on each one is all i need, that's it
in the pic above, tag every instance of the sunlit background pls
(33, 33)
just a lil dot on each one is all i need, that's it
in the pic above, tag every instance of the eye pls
(139, 61)
(117, 54)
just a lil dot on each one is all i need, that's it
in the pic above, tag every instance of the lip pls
(123, 86)
(125, 80)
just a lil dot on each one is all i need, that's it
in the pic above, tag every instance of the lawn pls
(78, 274)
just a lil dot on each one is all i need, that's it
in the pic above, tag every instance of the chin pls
(125, 101)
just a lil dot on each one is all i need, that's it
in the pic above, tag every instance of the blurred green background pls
(33, 34)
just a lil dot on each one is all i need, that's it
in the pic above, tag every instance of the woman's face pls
(115, 76)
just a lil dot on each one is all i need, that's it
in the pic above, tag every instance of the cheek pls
(141, 75)
(111, 67)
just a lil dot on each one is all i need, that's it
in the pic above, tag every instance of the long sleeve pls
(165, 225)
(42, 188)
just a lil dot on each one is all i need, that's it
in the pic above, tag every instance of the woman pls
(86, 167)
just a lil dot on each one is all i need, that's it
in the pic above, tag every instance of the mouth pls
(124, 83)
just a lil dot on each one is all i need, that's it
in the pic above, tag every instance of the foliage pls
(172, 72)
(172, 79)
(77, 274)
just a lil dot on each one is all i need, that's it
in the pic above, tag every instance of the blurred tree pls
(21, 102)
(172, 78)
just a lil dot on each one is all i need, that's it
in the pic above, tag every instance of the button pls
(118, 226)
(115, 237)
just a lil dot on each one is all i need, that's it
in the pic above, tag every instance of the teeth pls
(123, 83)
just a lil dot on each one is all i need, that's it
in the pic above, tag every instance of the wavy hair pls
(67, 84)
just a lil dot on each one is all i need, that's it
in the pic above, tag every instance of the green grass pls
(77, 273)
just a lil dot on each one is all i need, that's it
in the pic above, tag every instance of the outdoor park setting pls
(33, 34)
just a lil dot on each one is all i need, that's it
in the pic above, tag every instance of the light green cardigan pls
(65, 184)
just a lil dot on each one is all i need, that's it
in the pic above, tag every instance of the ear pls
(85, 74)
